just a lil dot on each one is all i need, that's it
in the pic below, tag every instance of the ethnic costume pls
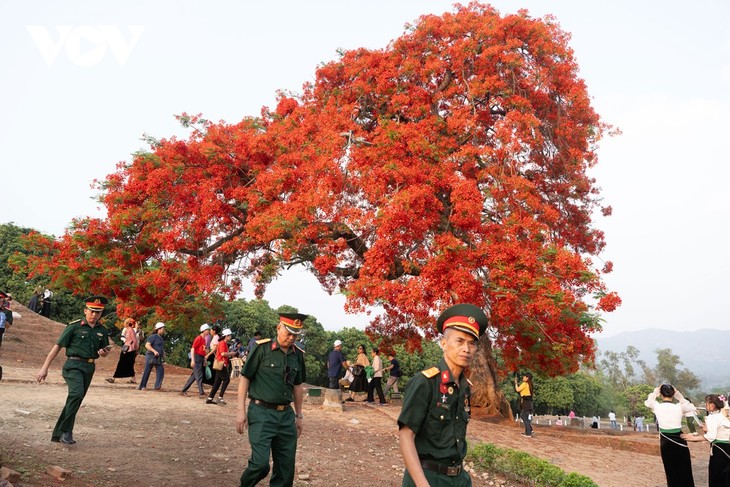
(718, 434)
(674, 449)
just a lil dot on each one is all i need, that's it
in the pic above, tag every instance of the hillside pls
(704, 352)
(130, 437)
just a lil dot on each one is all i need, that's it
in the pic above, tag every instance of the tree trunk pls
(485, 388)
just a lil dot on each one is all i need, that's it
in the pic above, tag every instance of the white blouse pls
(718, 427)
(668, 414)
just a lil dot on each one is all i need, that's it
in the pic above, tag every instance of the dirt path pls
(130, 437)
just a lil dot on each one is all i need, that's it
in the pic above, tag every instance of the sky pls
(82, 81)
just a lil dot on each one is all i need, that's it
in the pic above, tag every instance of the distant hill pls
(704, 352)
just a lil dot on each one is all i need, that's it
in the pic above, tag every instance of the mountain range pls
(705, 352)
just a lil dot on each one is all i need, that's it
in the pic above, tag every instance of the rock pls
(57, 472)
(303, 476)
(10, 475)
(22, 411)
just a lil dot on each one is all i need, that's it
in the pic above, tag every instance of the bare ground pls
(130, 437)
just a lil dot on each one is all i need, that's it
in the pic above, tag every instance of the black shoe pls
(67, 438)
(210, 401)
(55, 439)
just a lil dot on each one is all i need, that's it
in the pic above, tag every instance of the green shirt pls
(273, 373)
(437, 410)
(81, 340)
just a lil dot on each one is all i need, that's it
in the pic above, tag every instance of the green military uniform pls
(272, 375)
(82, 343)
(437, 410)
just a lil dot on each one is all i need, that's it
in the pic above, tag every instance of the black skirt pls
(676, 459)
(719, 471)
(359, 383)
(125, 366)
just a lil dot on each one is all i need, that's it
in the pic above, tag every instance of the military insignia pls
(471, 320)
(445, 376)
(263, 340)
(443, 398)
(430, 373)
(451, 390)
(297, 323)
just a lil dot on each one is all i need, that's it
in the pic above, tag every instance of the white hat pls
(338, 343)
(227, 331)
(204, 326)
(159, 325)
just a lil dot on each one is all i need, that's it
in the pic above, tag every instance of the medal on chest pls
(444, 389)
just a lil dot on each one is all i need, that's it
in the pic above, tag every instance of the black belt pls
(453, 471)
(269, 405)
(82, 359)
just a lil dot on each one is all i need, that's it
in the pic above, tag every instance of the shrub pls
(524, 467)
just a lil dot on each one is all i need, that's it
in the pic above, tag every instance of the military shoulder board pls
(432, 372)
(263, 340)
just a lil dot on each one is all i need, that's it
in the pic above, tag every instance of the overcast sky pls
(80, 82)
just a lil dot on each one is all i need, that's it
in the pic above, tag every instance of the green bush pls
(523, 467)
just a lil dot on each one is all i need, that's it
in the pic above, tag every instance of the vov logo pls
(85, 45)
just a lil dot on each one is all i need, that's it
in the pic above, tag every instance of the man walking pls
(437, 405)
(395, 374)
(335, 361)
(85, 341)
(197, 362)
(272, 377)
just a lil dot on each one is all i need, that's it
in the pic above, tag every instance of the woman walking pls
(154, 358)
(359, 382)
(673, 448)
(717, 432)
(222, 376)
(525, 391)
(125, 365)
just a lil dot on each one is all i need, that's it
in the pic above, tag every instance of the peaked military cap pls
(293, 322)
(464, 317)
(96, 303)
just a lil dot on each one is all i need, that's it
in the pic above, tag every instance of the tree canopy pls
(450, 166)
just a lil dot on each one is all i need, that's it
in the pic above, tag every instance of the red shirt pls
(220, 349)
(199, 345)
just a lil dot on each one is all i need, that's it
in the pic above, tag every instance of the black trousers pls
(376, 384)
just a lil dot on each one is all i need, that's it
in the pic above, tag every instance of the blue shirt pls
(395, 371)
(2, 319)
(334, 363)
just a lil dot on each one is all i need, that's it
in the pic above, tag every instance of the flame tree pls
(450, 166)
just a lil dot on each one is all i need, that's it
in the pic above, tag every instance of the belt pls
(269, 405)
(453, 471)
(81, 359)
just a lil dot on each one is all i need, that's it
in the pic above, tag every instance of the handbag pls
(218, 364)
(357, 370)
(125, 348)
(237, 364)
(208, 373)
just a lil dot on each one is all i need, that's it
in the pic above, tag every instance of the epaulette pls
(75, 321)
(469, 382)
(432, 372)
(263, 340)
(299, 347)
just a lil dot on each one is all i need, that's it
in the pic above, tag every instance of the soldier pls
(436, 407)
(272, 376)
(85, 341)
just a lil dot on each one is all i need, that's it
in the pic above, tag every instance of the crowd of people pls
(270, 393)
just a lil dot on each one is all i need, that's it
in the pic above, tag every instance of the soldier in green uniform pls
(85, 341)
(272, 377)
(436, 405)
